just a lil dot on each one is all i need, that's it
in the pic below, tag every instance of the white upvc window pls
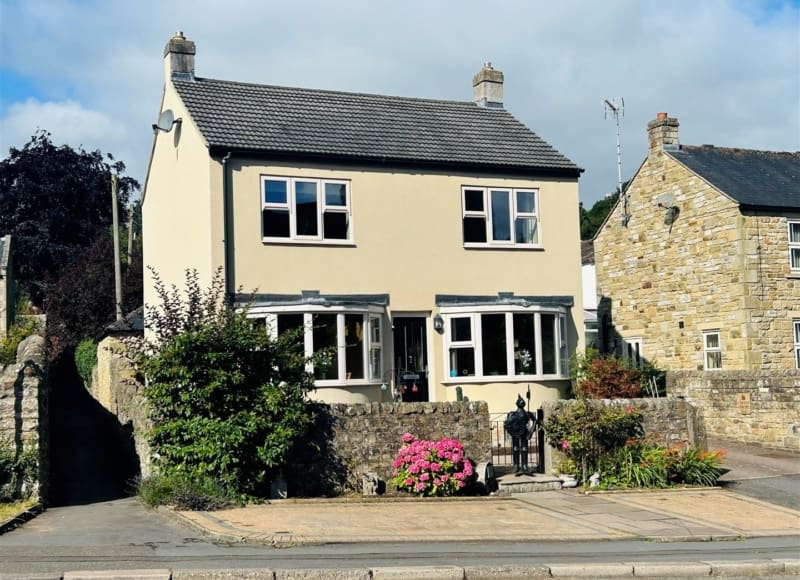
(712, 350)
(632, 351)
(794, 245)
(497, 216)
(498, 344)
(352, 339)
(299, 209)
(796, 324)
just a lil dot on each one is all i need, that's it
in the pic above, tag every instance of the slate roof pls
(331, 124)
(763, 179)
(587, 252)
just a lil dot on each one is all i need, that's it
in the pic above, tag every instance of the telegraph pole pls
(117, 272)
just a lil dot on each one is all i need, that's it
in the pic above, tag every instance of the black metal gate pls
(501, 443)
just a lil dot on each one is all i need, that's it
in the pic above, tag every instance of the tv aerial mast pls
(617, 107)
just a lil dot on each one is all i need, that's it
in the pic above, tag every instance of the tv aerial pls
(166, 121)
(617, 107)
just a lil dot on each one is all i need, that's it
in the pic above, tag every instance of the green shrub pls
(226, 401)
(183, 492)
(16, 334)
(693, 466)
(18, 471)
(587, 430)
(86, 358)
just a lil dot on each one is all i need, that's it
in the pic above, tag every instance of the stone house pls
(6, 286)
(698, 264)
(432, 244)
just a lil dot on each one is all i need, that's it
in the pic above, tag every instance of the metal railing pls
(501, 443)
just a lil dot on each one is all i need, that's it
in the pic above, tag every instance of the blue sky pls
(91, 73)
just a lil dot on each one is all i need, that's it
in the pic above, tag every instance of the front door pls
(411, 358)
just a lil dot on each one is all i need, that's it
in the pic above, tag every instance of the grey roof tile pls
(271, 119)
(766, 179)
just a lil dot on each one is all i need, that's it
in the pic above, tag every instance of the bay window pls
(505, 344)
(351, 340)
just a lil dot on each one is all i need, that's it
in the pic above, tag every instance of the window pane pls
(462, 362)
(524, 345)
(324, 334)
(460, 329)
(334, 225)
(475, 230)
(306, 202)
(336, 194)
(712, 340)
(289, 322)
(354, 346)
(493, 334)
(376, 371)
(274, 191)
(713, 360)
(375, 324)
(797, 333)
(275, 223)
(526, 202)
(473, 200)
(501, 220)
(259, 324)
(795, 252)
(794, 233)
(526, 231)
(549, 346)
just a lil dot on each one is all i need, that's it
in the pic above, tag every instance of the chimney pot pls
(661, 116)
(487, 87)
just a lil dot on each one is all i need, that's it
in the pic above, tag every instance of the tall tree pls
(54, 201)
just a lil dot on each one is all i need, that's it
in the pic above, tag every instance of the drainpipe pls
(226, 229)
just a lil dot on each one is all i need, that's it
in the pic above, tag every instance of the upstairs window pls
(794, 246)
(500, 217)
(305, 210)
(712, 350)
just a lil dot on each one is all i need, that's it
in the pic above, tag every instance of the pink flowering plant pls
(431, 468)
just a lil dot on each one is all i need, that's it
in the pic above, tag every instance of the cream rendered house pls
(432, 244)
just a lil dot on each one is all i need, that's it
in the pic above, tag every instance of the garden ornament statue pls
(519, 424)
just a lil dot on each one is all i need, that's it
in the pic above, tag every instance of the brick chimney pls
(179, 58)
(662, 133)
(487, 87)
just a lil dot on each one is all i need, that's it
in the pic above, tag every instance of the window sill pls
(793, 275)
(296, 242)
(502, 379)
(515, 247)
(322, 384)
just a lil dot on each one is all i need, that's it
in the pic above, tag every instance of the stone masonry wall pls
(714, 268)
(353, 439)
(666, 420)
(757, 407)
(114, 385)
(23, 403)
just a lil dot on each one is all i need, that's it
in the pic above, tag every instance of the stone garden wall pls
(23, 404)
(756, 407)
(350, 440)
(667, 420)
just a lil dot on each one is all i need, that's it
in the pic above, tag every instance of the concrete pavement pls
(673, 515)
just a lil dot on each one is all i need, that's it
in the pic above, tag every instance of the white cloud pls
(728, 69)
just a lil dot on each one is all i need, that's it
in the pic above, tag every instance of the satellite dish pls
(166, 121)
(665, 200)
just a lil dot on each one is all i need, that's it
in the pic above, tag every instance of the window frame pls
(474, 314)
(632, 351)
(323, 208)
(796, 329)
(369, 314)
(514, 214)
(793, 247)
(712, 350)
